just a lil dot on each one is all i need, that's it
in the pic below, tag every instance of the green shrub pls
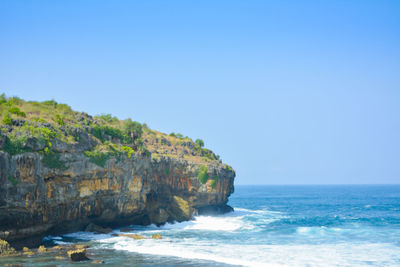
(14, 101)
(199, 142)
(7, 119)
(52, 160)
(203, 174)
(97, 157)
(60, 120)
(128, 150)
(12, 180)
(15, 145)
(39, 119)
(43, 134)
(228, 167)
(3, 99)
(108, 118)
(50, 103)
(172, 134)
(213, 183)
(17, 111)
(101, 132)
(133, 129)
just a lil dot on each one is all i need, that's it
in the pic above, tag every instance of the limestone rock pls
(134, 236)
(126, 191)
(6, 249)
(156, 236)
(97, 229)
(78, 255)
(41, 249)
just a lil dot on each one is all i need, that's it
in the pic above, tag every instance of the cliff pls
(61, 170)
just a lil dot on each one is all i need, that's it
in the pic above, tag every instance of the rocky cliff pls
(58, 186)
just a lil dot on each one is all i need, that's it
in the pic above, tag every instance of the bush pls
(133, 129)
(97, 157)
(15, 145)
(12, 180)
(60, 120)
(52, 160)
(14, 101)
(101, 132)
(7, 119)
(199, 142)
(108, 118)
(228, 167)
(50, 103)
(17, 111)
(128, 150)
(203, 174)
(3, 98)
(213, 183)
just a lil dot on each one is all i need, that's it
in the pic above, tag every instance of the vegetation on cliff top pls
(46, 126)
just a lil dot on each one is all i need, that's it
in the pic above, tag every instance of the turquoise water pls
(271, 226)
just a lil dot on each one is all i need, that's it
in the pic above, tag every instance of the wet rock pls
(97, 229)
(78, 255)
(134, 236)
(6, 249)
(97, 261)
(156, 236)
(41, 249)
(80, 246)
(124, 230)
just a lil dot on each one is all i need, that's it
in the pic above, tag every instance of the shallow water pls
(271, 226)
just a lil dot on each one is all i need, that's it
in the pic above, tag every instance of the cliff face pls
(36, 200)
(61, 170)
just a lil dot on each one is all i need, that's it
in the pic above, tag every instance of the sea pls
(310, 225)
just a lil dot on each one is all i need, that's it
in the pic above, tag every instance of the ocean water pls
(271, 226)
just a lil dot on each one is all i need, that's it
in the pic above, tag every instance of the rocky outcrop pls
(36, 201)
(6, 249)
(78, 255)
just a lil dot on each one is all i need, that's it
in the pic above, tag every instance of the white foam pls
(269, 255)
(218, 224)
(87, 236)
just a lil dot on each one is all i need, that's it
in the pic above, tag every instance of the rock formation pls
(161, 185)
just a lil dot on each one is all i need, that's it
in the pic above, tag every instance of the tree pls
(199, 142)
(133, 129)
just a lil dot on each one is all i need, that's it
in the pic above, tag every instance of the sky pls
(287, 92)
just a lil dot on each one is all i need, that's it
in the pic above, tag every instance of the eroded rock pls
(6, 249)
(78, 255)
(97, 229)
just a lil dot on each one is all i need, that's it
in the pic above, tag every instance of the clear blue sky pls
(287, 92)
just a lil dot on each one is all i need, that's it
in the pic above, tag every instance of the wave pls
(268, 255)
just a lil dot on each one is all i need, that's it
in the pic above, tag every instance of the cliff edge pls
(61, 170)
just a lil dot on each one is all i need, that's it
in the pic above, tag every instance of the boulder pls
(156, 236)
(6, 249)
(134, 236)
(78, 255)
(41, 249)
(97, 229)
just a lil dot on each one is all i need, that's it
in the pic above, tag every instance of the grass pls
(41, 123)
